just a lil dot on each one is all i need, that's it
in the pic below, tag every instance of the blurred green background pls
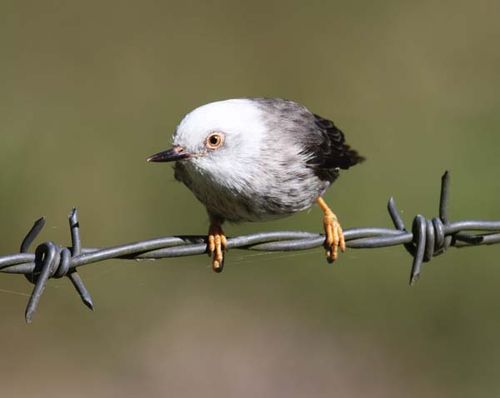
(89, 89)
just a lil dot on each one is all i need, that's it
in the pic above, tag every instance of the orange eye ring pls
(214, 140)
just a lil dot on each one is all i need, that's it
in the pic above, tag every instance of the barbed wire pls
(428, 238)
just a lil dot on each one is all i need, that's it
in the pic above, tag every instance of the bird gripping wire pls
(427, 238)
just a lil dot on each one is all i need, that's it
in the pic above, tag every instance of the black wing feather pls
(330, 152)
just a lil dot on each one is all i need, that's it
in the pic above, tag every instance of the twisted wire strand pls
(426, 239)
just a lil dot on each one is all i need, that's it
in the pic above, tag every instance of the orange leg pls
(217, 244)
(334, 237)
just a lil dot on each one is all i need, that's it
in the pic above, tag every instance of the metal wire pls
(427, 238)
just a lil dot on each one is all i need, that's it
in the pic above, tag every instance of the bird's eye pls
(214, 140)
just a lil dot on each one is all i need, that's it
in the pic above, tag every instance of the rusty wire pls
(427, 238)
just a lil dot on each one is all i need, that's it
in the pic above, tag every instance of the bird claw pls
(217, 246)
(334, 237)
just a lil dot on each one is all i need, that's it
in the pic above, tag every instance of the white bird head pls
(218, 138)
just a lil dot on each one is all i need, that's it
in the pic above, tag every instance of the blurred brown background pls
(89, 89)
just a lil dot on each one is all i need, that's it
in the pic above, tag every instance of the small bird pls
(252, 159)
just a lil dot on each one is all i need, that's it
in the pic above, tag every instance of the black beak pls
(170, 155)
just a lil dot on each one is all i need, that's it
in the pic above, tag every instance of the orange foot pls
(334, 237)
(217, 244)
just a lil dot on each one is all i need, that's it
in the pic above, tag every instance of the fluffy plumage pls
(277, 157)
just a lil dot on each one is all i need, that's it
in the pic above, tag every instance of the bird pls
(255, 159)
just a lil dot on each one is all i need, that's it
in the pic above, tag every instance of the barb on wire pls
(426, 239)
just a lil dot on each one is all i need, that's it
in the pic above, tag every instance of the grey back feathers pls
(320, 139)
(277, 158)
